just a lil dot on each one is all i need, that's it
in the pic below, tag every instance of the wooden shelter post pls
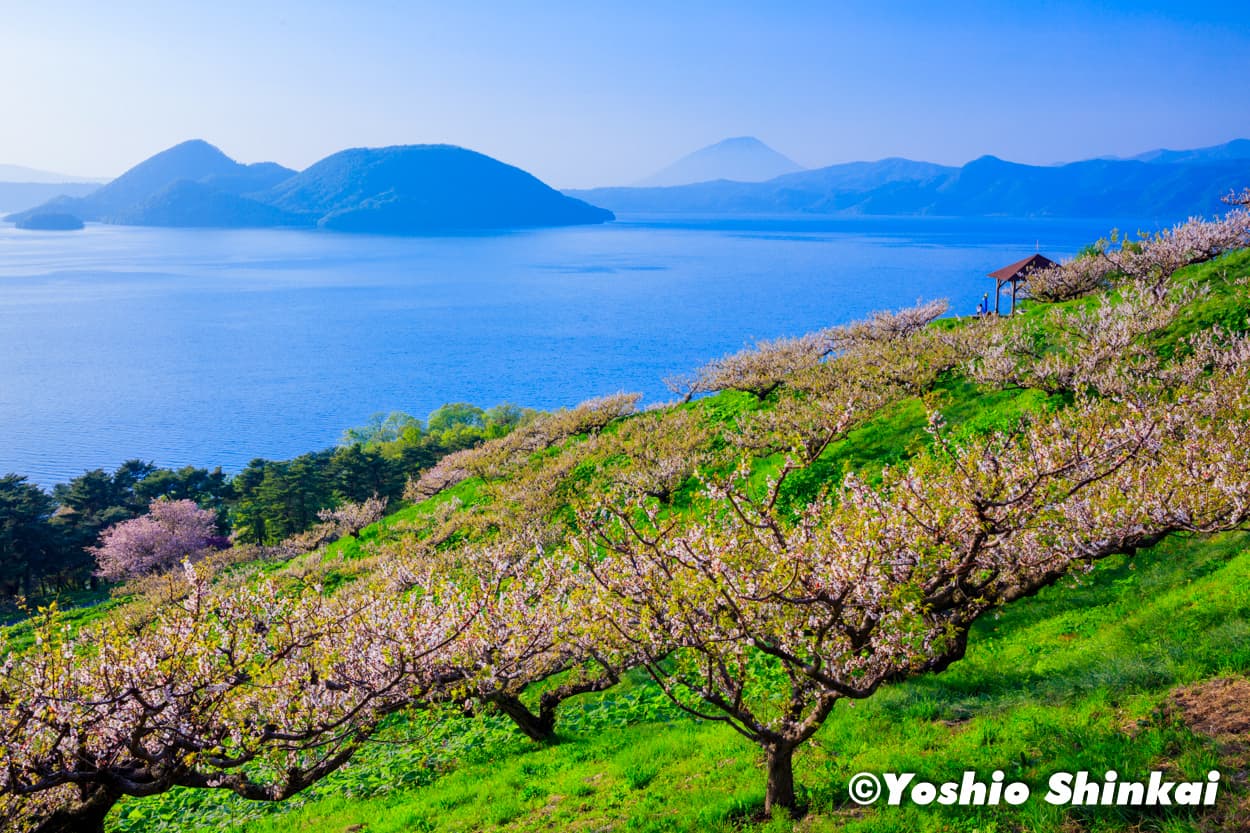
(1014, 274)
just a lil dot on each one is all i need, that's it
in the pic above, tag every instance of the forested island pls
(408, 189)
(50, 221)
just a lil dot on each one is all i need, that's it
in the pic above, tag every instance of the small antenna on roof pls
(1037, 247)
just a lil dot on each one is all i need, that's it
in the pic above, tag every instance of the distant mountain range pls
(1236, 149)
(416, 189)
(1162, 183)
(19, 173)
(21, 186)
(409, 189)
(18, 195)
(742, 159)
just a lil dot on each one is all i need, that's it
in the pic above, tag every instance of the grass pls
(898, 432)
(79, 608)
(1226, 305)
(1079, 677)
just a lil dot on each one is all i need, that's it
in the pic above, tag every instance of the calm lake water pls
(215, 347)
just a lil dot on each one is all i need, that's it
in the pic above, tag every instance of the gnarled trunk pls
(542, 726)
(780, 789)
(86, 816)
(539, 727)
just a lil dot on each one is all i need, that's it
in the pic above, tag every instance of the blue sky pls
(589, 93)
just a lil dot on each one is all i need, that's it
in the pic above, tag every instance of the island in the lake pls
(438, 189)
(406, 189)
(50, 221)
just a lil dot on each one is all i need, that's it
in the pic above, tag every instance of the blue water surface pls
(214, 347)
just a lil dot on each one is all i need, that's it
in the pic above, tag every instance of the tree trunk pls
(780, 790)
(87, 816)
(542, 726)
(539, 728)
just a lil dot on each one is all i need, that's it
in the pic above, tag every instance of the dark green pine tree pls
(29, 547)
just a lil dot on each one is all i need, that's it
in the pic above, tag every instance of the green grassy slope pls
(1076, 678)
(1080, 677)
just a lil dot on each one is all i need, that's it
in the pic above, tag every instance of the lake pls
(214, 347)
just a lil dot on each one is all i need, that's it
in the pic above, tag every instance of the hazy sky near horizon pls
(586, 93)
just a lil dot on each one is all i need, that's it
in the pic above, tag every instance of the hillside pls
(192, 161)
(422, 188)
(1085, 674)
(741, 159)
(190, 204)
(412, 189)
(1116, 667)
(907, 544)
(156, 186)
(1169, 185)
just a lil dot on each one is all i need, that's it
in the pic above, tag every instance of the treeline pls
(45, 536)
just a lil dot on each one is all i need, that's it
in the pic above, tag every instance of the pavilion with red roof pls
(1014, 274)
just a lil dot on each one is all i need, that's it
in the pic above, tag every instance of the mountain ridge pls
(986, 186)
(401, 189)
(1234, 149)
(737, 159)
(35, 176)
(414, 189)
(124, 200)
(404, 189)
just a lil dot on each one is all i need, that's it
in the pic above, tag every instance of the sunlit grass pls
(1078, 677)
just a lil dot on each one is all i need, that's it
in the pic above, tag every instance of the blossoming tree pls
(247, 688)
(171, 532)
(764, 623)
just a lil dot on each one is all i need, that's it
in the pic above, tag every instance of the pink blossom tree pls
(171, 532)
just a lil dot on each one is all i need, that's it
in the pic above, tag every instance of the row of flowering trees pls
(1148, 260)
(765, 622)
(599, 540)
(246, 687)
